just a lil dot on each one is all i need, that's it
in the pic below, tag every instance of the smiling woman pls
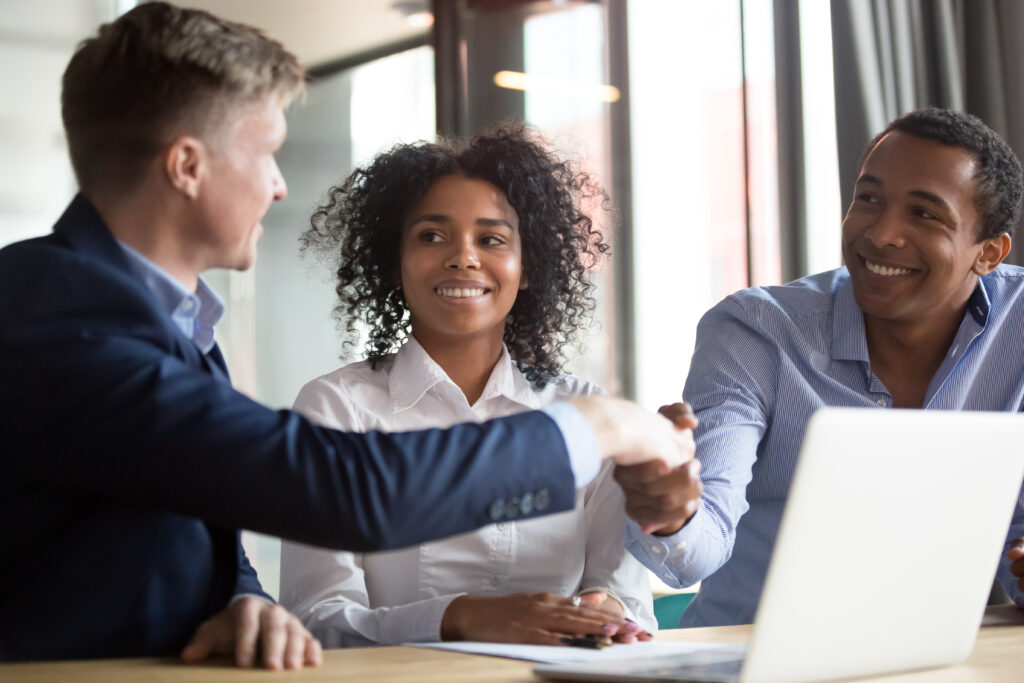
(365, 219)
(473, 260)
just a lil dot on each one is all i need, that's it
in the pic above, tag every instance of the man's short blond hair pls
(156, 73)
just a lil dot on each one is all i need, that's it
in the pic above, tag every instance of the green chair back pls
(668, 609)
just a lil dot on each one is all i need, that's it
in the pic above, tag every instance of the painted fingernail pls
(610, 629)
(632, 626)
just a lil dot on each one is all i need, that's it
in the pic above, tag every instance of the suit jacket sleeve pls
(99, 401)
(248, 583)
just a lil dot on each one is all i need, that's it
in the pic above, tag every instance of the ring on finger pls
(576, 601)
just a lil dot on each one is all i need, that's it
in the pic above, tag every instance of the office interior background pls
(726, 132)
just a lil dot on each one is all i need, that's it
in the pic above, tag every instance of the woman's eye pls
(429, 236)
(867, 197)
(492, 240)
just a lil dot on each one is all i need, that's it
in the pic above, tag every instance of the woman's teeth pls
(459, 293)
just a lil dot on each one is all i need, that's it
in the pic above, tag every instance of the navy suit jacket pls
(128, 463)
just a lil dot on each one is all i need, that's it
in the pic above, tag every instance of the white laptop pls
(891, 535)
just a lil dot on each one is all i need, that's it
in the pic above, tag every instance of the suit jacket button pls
(526, 504)
(512, 509)
(541, 500)
(497, 509)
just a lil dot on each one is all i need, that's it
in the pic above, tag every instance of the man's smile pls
(886, 271)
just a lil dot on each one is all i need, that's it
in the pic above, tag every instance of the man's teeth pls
(884, 270)
(459, 293)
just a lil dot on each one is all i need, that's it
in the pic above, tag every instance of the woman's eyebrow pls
(492, 222)
(432, 218)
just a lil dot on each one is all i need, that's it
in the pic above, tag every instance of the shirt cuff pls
(580, 442)
(418, 622)
(661, 553)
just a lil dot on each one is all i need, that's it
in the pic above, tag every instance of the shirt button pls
(656, 549)
(497, 510)
(681, 545)
(187, 305)
(881, 402)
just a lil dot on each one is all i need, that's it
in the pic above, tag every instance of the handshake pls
(654, 458)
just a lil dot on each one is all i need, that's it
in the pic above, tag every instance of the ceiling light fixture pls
(515, 80)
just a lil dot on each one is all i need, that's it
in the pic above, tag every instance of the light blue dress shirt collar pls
(195, 314)
(849, 339)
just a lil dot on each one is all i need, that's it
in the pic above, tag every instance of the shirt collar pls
(194, 314)
(849, 340)
(979, 305)
(414, 373)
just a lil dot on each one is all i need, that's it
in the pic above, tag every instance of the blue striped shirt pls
(766, 358)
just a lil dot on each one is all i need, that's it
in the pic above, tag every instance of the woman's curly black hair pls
(360, 222)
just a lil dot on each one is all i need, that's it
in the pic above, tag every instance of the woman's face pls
(461, 260)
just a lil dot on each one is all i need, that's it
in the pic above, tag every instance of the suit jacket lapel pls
(82, 227)
(214, 362)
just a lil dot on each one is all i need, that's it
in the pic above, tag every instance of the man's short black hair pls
(999, 176)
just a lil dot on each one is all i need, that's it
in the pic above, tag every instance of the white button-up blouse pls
(351, 599)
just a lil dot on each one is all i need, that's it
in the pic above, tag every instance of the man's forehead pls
(902, 156)
(264, 119)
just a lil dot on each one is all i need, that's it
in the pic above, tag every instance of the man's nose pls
(888, 230)
(280, 186)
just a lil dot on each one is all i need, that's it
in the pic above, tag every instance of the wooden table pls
(998, 656)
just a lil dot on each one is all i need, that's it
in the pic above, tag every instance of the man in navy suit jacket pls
(127, 461)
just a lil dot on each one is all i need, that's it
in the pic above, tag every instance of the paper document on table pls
(559, 655)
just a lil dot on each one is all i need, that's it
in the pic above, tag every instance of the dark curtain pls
(893, 56)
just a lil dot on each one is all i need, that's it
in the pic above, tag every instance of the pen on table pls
(592, 643)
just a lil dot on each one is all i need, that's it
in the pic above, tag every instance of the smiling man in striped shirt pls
(922, 316)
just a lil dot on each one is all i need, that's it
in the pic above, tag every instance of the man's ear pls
(993, 251)
(185, 163)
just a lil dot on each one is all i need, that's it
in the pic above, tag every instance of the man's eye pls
(925, 213)
(867, 197)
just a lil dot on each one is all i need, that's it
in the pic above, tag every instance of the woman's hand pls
(532, 618)
(600, 600)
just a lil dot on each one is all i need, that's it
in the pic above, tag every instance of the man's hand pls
(531, 618)
(1016, 555)
(660, 498)
(630, 435)
(680, 414)
(250, 625)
